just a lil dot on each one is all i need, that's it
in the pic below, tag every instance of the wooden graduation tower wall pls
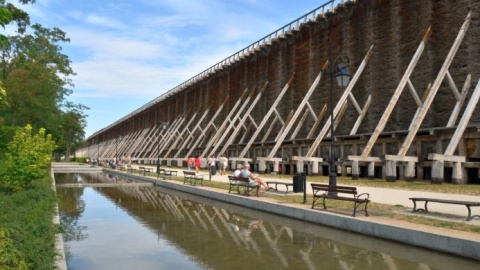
(409, 111)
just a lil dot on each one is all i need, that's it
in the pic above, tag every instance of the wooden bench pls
(144, 170)
(322, 191)
(166, 173)
(129, 168)
(468, 204)
(192, 178)
(280, 183)
(243, 182)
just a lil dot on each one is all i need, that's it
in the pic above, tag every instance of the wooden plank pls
(320, 116)
(436, 85)
(467, 114)
(340, 103)
(184, 131)
(191, 139)
(361, 116)
(234, 134)
(393, 101)
(267, 116)
(460, 101)
(236, 120)
(298, 111)
(224, 124)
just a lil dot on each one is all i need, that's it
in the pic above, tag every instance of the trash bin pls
(298, 182)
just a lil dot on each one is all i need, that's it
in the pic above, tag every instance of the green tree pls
(27, 158)
(73, 129)
(37, 76)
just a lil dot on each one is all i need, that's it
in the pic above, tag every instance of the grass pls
(375, 209)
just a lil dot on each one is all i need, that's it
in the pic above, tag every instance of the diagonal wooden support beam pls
(340, 103)
(393, 101)
(362, 114)
(191, 136)
(448, 155)
(246, 116)
(436, 85)
(183, 133)
(267, 117)
(219, 131)
(236, 120)
(318, 121)
(298, 111)
(460, 101)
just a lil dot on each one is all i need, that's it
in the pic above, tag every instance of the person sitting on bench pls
(247, 174)
(239, 169)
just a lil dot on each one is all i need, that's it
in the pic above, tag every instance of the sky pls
(125, 53)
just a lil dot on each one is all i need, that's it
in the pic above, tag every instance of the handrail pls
(328, 7)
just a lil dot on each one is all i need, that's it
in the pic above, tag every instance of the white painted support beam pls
(340, 103)
(218, 132)
(436, 85)
(472, 103)
(361, 116)
(190, 142)
(320, 116)
(235, 131)
(185, 132)
(313, 161)
(233, 122)
(453, 86)
(298, 111)
(299, 125)
(414, 93)
(400, 158)
(450, 158)
(393, 101)
(460, 101)
(267, 116)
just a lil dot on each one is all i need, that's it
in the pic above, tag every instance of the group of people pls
(244, 171)
(212, 163)
(193, 163)
(222, 162)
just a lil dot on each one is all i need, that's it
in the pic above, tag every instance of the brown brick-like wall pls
(395, 29)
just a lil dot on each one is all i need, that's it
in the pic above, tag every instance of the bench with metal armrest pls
(322, 191)
(243, 182)
(144, 170)
(192, 178)
(468, 204)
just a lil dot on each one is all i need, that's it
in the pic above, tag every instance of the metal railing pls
(320, 11)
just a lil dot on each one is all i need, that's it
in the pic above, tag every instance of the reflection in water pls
(156, 228)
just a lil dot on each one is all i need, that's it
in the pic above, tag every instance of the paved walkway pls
(390, 196)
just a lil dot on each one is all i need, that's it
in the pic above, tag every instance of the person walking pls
(223, 165)
(197, 163)
(189, 163)
(213, 165)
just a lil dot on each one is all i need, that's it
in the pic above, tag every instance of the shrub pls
(26, 159)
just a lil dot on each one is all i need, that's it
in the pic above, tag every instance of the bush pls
(26, 159)
(28, 231)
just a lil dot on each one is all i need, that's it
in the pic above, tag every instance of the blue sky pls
(128, 52)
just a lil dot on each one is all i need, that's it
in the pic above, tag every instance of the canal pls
(138, 227)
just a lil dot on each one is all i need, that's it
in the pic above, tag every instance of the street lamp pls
(164, 126)
(343, 77)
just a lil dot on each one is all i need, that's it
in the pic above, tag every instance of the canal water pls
(138, 227)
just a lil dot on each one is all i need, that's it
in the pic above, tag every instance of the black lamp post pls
(164, 126)
(343, 77)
